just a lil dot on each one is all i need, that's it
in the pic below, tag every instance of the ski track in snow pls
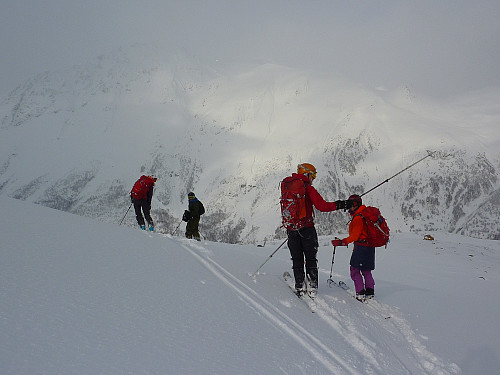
(321, 352)
(410, 356)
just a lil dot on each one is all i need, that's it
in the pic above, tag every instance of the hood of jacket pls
(358, 211)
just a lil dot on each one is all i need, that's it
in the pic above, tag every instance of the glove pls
(340, 205)
(338, 242)
(343, 205)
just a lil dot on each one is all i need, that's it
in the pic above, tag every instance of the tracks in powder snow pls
(355, 323)
(332, 361)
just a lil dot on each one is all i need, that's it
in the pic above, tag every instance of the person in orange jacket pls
(363, 257)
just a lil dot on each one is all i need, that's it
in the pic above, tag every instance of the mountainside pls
(77, 140)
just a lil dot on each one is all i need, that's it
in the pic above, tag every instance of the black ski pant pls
(192, 230)
(303, 245)
(145, 206)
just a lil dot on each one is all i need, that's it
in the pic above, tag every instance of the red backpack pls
(293, 203)
(376, 227)
(141, 187)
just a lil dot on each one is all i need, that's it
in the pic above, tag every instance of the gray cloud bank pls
(439, 48)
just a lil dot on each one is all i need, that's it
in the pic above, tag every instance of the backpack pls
(201, 208)
(186, 216)
(141, 187)
(293, 202)
(376, 227)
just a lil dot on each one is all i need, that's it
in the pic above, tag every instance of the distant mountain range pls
(76, 141)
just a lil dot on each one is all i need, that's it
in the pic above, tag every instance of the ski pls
(307, 298)
(339, 284)
(342, 285)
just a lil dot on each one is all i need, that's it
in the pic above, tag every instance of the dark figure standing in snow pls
(303, 243)
(363, 257)
(195, 210)
(141, 196)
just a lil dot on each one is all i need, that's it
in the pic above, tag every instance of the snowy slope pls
(81, 296)
(76, 140)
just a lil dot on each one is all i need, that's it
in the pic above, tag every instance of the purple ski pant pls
(358, 275)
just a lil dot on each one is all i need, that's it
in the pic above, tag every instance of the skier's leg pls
(189, 229)
(146, 208)
(196, 231)
(369, 281)
(138, 213)
(297, 254)
(310, 244)
(357, 278)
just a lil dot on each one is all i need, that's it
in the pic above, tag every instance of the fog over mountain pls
(440, 49)
(76, 139)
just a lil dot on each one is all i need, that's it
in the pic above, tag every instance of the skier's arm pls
(355, 230)
(318, 200)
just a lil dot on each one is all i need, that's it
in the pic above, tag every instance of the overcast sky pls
(436, 47)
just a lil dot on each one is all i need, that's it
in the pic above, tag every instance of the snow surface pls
(80, 296)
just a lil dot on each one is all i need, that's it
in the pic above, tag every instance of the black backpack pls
(186, 216)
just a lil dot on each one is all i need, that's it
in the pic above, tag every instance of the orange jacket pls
(357, 230)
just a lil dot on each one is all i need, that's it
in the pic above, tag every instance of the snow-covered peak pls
(77, 140)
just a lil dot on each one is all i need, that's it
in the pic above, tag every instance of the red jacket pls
(357, 230)
(313, 198)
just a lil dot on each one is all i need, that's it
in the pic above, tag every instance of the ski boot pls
(312, 283)
(299, 289)
(361, 295)
(369, 293)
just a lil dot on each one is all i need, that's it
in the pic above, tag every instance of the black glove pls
(340, 205)
(343, 205)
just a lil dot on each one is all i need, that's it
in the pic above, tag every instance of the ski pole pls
(330, 280)
(269, 257)
(125, 214)
(177, 228)
(430, 153)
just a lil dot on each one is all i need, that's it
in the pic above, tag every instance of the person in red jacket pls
(142, 201)
(303, 242)
(362, 261)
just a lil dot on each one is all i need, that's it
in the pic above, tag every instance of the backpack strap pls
(365, 226)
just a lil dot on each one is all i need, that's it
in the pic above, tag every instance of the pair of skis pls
(307, 297)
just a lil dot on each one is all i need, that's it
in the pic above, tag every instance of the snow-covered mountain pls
(77, 140)
(79, 296)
